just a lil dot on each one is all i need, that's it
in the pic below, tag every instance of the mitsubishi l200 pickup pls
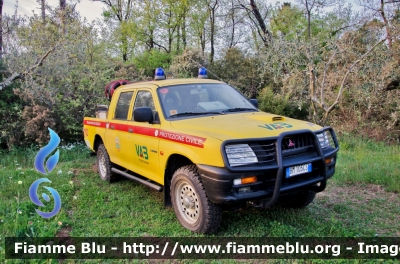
(208, 148)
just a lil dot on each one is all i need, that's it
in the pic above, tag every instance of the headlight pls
(323, 139)
(240, 154)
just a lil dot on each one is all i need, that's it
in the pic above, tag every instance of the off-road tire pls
(190, 202)
(298, 200)
(104, 165)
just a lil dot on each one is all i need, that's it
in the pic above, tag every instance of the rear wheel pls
(104, 165)
(191, 205)
(298, 200)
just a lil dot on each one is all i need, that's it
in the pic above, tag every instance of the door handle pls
(130, 130)
(112, 127)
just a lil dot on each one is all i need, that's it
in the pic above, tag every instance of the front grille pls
(265, 151)
(293, 148)
(297, 144)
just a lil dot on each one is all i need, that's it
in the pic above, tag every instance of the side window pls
(144, 99)
(121, 111)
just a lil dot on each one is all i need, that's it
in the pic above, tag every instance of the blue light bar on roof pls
(202, 73)
(159, 74)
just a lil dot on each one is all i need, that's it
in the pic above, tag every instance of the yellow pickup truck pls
(209, 148)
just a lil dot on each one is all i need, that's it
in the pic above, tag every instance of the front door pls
(143, 140)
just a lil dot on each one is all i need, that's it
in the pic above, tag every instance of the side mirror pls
(143, 114)
(254, 102)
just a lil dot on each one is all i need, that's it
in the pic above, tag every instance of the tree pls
(185, 8)
(43, 9)
(22, 74)
(379, 9)
(288, 21)
(331, 69)
(212, 7)
(314, 5)
(1, 28)
(63, 7)
(386, 13)
(60, 76)
(198, 20)
(320, 67)
(119, 11)
(240, 71)
(232, 16)
(258, 20)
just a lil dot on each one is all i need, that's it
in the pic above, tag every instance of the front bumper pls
(271, 179)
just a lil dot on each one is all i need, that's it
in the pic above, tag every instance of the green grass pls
(361, 200)
(366, 161)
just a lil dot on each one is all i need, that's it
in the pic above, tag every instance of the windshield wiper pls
(239, 109)
(195, 113)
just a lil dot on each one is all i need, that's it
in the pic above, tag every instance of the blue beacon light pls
(202, 73)
(159, 74)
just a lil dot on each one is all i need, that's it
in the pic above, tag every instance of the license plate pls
(299, 169)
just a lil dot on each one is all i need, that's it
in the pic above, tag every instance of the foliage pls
(239, 70)
(288, 21)
(11, 124)
(271, 102)
(67, 85)
(148, 61)
(187, 64)
(334, 64)
(333, 73)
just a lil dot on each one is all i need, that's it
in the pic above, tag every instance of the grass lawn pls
(361, 200)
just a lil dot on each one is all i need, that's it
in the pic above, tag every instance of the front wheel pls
(190, 202)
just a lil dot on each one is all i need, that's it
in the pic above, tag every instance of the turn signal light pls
(246, 180)
(329, 160)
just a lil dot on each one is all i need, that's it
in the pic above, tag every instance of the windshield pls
(201, 99)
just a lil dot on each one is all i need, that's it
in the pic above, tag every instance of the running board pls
(130, 176)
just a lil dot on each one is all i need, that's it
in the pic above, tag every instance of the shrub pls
(187, 64)
(148, 61)
(280, 105)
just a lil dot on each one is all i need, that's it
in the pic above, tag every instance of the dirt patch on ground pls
(376, 208)
(76, 172)
(64, 232)
(359, 193)
(94, 168)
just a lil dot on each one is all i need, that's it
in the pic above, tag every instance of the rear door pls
(116, 130)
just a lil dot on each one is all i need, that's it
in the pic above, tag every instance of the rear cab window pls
(122, 107)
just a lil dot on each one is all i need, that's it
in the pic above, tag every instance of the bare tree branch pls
(385, 20)
(324, 78)
(5, 72)
(343, 28)
(342, 85)
(16, 75)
